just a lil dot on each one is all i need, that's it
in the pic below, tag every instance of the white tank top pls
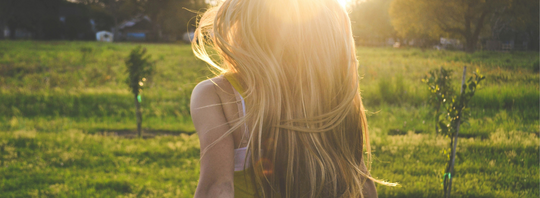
(240, 154)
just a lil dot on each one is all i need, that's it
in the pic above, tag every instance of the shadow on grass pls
(130, 133)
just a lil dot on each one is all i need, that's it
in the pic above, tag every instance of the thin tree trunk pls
(139, 117)
(472, 35)
(115, 32)
(2, 154)
(438, 108)
(3, 24)
(447, 174)
(453, 156)
(12, 29)
(470, 45)
(437, 119)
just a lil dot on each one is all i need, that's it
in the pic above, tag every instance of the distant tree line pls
(80, 19)
(428, 20)
(424, 21)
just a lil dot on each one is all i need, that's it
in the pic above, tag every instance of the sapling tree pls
(454, 113)
(139, 67)
(439, 83)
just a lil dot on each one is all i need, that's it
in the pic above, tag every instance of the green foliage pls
(174, 17)
(464, 20)
(170, 17)
(370, 20)
(139, 66)
(38, 17)
(456, 112)
(456, 109)
(439, 85)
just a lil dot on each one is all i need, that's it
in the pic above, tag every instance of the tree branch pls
(480, 23)
(445, 27)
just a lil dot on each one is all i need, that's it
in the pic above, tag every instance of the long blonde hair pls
(296, 63)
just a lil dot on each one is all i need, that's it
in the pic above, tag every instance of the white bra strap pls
(243, 104)
(243, 108)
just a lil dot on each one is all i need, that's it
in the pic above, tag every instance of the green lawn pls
(59, 99)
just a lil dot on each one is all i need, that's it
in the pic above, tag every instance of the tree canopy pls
(370, 20)
(43, 18)
(464, 19)
(168, 16)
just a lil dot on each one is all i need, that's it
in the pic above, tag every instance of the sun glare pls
(343, 2)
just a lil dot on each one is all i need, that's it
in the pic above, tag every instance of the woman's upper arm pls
(217, 163)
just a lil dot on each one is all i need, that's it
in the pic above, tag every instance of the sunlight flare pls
(343, 2)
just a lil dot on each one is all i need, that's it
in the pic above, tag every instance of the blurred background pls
(128, 20)
(463, 25)
(76, 76)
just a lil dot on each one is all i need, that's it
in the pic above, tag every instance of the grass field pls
(59, 101)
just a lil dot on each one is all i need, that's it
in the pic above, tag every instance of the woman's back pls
(232, 108)
(299, 111)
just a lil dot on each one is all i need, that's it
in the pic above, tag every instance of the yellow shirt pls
(242, 183)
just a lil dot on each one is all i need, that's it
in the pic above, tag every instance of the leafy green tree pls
(439, 83)
(139, 67)
(370, 20)
(6, 12)
(455, 113)
(173, 17)
(518, 22)
(32, 15)
(103, 19)
(119, 10)
(465, 19)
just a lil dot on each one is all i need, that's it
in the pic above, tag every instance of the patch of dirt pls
(146, 133)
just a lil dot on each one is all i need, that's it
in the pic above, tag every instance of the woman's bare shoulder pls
(207, 86)
(206, 105)
(217, 86)
(213, 85)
